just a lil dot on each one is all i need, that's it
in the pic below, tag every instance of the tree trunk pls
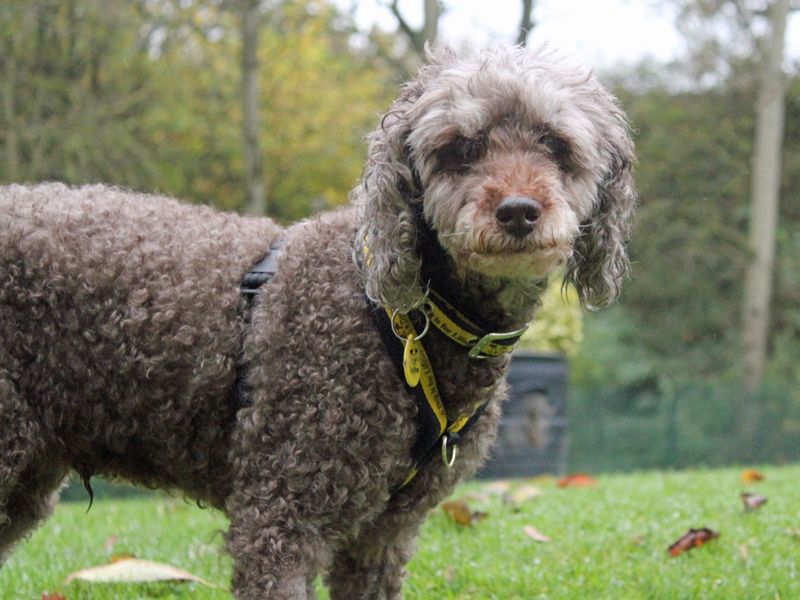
(765, 191)
(10, 115)
(430, 29)
(525, 23)
(255, 196)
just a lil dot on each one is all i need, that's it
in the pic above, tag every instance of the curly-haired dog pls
(123, 329)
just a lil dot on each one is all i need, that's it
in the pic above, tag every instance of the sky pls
(599, 33)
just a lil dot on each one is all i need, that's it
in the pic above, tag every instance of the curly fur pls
(122, 324)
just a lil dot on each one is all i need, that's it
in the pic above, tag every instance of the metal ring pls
(420, 336)
(449, 462)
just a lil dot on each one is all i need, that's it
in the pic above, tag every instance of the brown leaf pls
(751, 476)
(535, 534)
(524, 493)
(135, 570)
(637, 539)
(121, 556)
(752, 501)
(460, 512)
(501, 486)
(53, 596)
(744, 552)
(692, 539)
(577, 480)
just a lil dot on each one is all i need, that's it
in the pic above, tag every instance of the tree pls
(526, 22)
(250, 24)
(764, 198)
(428, 33)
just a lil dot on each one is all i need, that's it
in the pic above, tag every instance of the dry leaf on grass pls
(460, 512)
(752, 501)
(535, 534)
(637, 539)
(751, 476)
(577, 480)
(692, 539)
(744, 552)
(53, 596)
(523, 493)
(501, 486)
(135, 570)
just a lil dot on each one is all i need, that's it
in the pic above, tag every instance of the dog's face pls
(522, 164)
(501, 198)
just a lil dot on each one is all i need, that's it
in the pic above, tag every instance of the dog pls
(329, 413)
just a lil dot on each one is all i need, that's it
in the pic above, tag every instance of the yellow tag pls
(411, 361)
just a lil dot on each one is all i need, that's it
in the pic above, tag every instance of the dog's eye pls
(461, 153)
(558, 148)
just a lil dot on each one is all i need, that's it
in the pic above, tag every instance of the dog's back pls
(121, 325)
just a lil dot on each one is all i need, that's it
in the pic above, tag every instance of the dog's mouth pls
(531, 261)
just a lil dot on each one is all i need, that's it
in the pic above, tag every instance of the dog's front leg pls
(372, 566)
(276, 553)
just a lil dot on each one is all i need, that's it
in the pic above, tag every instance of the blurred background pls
(261, 106)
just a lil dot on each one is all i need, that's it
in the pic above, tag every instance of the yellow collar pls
(453, 324)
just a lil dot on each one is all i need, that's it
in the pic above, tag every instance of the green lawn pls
(608, 541)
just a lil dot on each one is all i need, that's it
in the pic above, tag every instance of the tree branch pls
(526, 22)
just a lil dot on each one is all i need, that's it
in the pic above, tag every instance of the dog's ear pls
(600, 262)
(388, 200)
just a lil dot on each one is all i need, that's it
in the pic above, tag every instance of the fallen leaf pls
(525, 492)
(449, 574)
(121, 556)
(744, 552)
(501, 486)
(135, 570)
(53, 596)
(460, 512)
(637, 539)
(751, 476)
(478, 497)
(577, 480)
(535, 534)
(752, 501)
(692, 539)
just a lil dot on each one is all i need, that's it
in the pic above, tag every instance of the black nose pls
(517, 215)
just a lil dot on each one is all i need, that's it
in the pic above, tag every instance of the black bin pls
(532, 438)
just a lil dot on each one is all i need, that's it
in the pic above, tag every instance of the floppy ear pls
(389, 198)
(600, 262)
(386, 240)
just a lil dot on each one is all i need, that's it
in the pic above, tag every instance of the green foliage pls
(609, 541)
(146, 95)
(558, 326)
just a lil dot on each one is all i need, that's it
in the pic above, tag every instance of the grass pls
(608, 541)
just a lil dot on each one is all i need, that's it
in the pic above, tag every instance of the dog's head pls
(519, 162)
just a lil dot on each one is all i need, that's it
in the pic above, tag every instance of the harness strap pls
(260, 274)
(264, 270)
(434, 430)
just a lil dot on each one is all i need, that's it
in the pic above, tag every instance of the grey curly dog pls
(124, 331)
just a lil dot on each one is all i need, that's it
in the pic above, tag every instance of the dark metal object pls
(533, 436)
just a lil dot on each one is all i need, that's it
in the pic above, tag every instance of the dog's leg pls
(276, 552)
(27, 483)
(372, 567)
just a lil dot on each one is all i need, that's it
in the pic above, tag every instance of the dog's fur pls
(122, 325)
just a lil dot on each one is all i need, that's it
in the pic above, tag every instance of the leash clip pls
(475, 351)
